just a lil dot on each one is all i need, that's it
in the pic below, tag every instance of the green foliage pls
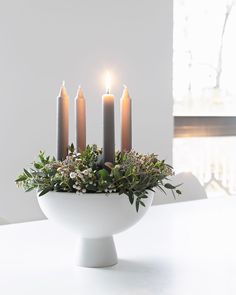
(133, 174)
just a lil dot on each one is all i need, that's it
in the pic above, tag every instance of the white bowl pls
(95, 218)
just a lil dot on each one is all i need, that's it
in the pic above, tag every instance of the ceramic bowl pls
(95, 218)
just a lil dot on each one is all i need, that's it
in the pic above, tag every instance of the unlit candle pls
(80, 116)
(62, 123)
(126, 121)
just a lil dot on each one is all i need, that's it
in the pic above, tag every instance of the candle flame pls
(108, 82)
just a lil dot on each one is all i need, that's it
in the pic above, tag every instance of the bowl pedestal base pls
(96, 252)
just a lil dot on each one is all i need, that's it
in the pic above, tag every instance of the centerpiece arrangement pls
(90, 190)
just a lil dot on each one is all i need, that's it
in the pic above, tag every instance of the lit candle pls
(80, 116)
(126, 121)
(62, 123)
(108, 123)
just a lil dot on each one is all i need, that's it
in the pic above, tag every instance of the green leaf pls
(128, 171)
(72, 148)
(161, 189)
(21, 178)
(173, 193)
(169, 186)
(131, 198)
(29, 189)
(41, 157)
(103, 174)
(137, 204)
(142, 203)
(144, 197)
(116, 173)
(178, 185)
(27, 173)
(44, 191)
(38, 165)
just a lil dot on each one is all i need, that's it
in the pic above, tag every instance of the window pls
(204, 90)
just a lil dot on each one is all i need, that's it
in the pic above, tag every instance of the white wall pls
(44, 42)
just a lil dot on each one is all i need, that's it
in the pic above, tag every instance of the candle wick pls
(80, 93)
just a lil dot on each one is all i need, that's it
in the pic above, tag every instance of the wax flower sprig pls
(132, 174)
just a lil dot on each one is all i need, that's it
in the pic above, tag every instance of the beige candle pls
(62, 123)
(80, 116)
(108, 124)
(126, 121)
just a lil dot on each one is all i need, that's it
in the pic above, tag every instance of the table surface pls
(177, 249)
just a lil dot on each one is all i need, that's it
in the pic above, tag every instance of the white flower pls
(83, 190)
(80, 175)
(89, 170)
(72, 175)
(74, 186)
(106, 190)
(85, 172)
(90, 182)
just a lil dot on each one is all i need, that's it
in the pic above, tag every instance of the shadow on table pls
(138, 266)
(134, 277)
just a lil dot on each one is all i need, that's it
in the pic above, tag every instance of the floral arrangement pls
(132, 174)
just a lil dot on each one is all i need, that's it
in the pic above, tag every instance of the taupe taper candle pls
(62, 123)
(108, 125)
(80, 117)
(126, 121)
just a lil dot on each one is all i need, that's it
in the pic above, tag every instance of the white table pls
(185, 248)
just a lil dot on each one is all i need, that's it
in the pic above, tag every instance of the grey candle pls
(126, 121)
(108, 125)
(62, 123)
(80, 117)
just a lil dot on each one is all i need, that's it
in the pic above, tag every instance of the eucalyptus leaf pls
(169, 186)
(45, 191)
(131, 198)
(27, 173)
